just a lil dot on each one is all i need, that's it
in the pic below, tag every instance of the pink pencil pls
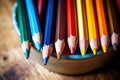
(40, 6)
(41, 9)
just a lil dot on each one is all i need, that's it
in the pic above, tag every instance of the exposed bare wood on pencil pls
(102, 22)
(60, 38)
(113, 23)
(92, 25)
(82, 26)
(71, 25)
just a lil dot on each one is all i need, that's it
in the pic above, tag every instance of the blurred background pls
(13, 65)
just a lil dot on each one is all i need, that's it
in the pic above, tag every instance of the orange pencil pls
(72, 37)
(92, 25)
(103, 30)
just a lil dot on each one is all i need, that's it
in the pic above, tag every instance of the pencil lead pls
(58, 55)
(45, 60)
(83, 51)
(104, 49)
(38, 46)
(115, 47)
(94, 51)
(72, 50)
(27, 53)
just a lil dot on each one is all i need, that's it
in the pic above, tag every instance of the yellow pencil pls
(104, 37)
(82, 26)
(92, 25)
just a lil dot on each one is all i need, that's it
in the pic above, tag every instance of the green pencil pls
(22, 22)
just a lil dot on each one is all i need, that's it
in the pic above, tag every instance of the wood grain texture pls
(13, 61)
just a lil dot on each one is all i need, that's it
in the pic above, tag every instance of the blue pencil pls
(47, 47)
(35, 26)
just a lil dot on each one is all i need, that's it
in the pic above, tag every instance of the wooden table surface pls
(13, 65)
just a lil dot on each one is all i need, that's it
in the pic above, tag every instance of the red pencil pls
(72, 37)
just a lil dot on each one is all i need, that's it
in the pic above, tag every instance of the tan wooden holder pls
(67, 66)
(74, 67)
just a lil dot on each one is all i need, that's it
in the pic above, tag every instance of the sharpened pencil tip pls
(94, 51)
(26, 54)
(83, 52)
(38, 46)
(58, 56)
(72, 50)
(115, 47)
(104, 49)
(45, 60)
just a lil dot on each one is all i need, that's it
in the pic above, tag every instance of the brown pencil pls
(60, 38)
(113, 23)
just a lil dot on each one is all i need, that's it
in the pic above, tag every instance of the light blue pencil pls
(47, 48)
(14, 16)
(35, 26)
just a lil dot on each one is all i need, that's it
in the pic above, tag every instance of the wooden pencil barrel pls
(68, 66)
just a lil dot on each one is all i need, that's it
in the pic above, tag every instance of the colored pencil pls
(35, 26)
(41, 9)
(47, 47)
(72, 36)
(92, 26)
(40, 6)
(82, 26)
(14, 16)
(103, 27)
(60, 37)
(118, 4)
(113, 22)
(24, 36)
